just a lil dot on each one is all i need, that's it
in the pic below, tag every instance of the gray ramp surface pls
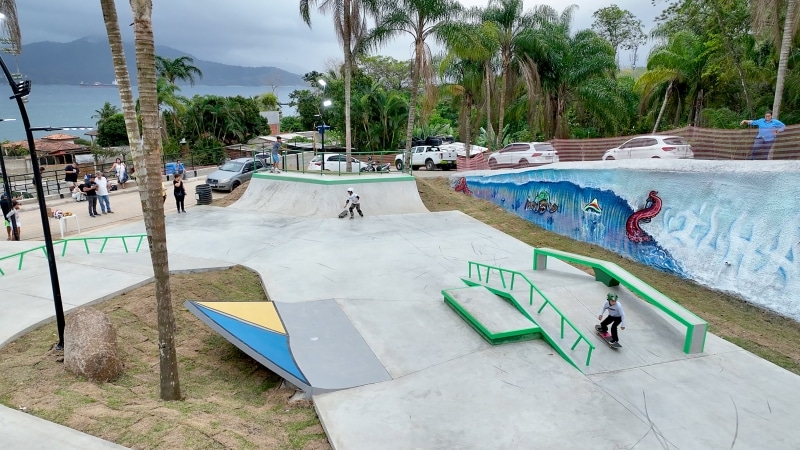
(496, 314)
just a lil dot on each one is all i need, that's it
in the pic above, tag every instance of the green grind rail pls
(139, 238)
(507, 280)
(611, 274)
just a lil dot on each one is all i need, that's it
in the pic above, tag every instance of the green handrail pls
(140, 238)
(484, 278)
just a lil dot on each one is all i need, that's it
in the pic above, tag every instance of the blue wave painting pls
(586, 214)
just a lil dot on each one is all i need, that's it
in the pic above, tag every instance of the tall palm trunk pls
(502, 112)
(149, 174)
(783, 61)
(663, 107)
(348, 72)
(412, 105)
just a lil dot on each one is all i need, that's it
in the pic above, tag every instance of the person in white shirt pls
(102, 192)
(355, 202)
(616, 316)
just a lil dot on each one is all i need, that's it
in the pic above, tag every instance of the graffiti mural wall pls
(721, 227)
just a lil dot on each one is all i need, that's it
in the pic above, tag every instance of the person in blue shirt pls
(768, 128)
(180, 169)
(276, 154)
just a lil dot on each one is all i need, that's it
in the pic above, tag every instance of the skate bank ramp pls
(313, 195)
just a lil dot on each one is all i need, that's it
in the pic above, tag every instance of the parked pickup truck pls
(429, 156)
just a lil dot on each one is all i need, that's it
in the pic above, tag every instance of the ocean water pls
(74, 106)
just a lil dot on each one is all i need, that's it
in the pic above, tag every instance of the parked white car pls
(523, 154)
(430, 157)
(672, 147)
(335, 162)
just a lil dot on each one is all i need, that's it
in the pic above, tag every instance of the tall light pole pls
(323, 127)
(21, 90)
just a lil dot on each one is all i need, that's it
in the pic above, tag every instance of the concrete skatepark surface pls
(449, 388)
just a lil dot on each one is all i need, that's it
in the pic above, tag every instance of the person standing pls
(71, 174)
(180, 169)
(12, 217)
(180, 193)
(122, 173)
(355, 203)
(768, 128)
(276, 154)
(90, 189)
(102, 192)
(616, 316)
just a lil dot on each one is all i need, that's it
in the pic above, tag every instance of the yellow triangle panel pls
(262, 314)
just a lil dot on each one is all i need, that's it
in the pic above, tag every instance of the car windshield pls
(544, 148)
(232, 166)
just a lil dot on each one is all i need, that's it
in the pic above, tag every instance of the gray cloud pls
(244, 32)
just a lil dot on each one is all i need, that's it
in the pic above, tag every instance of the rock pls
(90, 345)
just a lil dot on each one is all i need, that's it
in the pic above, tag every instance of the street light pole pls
(21, 91)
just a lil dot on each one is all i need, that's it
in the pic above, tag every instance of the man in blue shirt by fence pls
(768, 128)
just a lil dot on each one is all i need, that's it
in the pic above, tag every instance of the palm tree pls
(148, 161)
(349, 22)
(765, 19)
(513, 32)
(566, 63)
(10, 26)
(180, 68)
(420, 19)
(680, 65)
(104, 113)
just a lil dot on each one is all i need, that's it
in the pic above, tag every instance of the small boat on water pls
(99, 84)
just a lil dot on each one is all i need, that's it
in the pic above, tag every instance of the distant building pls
(274, 120)
(57, 148)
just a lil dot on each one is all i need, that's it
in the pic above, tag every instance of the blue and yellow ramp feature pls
(257, 329)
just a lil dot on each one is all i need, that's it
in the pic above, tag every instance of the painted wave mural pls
(587, 214)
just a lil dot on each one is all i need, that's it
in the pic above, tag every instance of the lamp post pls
(21, 90)
(321, 128)
(7, 190)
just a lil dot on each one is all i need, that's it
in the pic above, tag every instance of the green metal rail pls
(138, 237)
(508, 283)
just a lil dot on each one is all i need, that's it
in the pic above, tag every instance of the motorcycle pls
(373, 166)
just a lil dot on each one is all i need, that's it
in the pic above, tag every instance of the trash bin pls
(203, 194)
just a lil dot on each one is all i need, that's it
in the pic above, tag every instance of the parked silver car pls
(524, 154)
(233, 173)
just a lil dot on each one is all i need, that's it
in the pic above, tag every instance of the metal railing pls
(509, 285)
(105, 240)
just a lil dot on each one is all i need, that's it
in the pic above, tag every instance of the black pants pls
(357, 206)
(179, 202)
(614, 321)
(92, 202)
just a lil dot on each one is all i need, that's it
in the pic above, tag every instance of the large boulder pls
(90, 345)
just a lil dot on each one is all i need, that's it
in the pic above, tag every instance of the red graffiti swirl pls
(651, 209)
(461, 186)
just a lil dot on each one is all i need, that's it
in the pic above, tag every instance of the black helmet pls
(612, 296)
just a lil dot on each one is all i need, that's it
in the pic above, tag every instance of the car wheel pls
(429, 165)
(235, 185)
(399, 165)
(523, 163)
(656, 157)
(609, 158)
(493, 164)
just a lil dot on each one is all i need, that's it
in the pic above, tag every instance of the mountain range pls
(88, 60)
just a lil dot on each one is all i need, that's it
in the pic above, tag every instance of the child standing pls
(355, 202)
(616, 316)
(14, 214)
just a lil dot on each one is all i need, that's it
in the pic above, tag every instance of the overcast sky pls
(253, 32)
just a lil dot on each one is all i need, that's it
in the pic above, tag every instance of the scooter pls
(373, 166)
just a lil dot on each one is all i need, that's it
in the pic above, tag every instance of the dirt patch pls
(231, 198)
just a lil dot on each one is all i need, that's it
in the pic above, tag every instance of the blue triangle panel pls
(271, 345)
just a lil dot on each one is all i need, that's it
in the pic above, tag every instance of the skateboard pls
(607, 337)
(343, 214)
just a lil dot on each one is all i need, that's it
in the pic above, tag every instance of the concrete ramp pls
(313, 195)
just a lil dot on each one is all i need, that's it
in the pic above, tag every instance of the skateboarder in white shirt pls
(616, 316)
(354, 200)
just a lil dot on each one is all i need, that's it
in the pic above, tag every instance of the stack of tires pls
(203, 192)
